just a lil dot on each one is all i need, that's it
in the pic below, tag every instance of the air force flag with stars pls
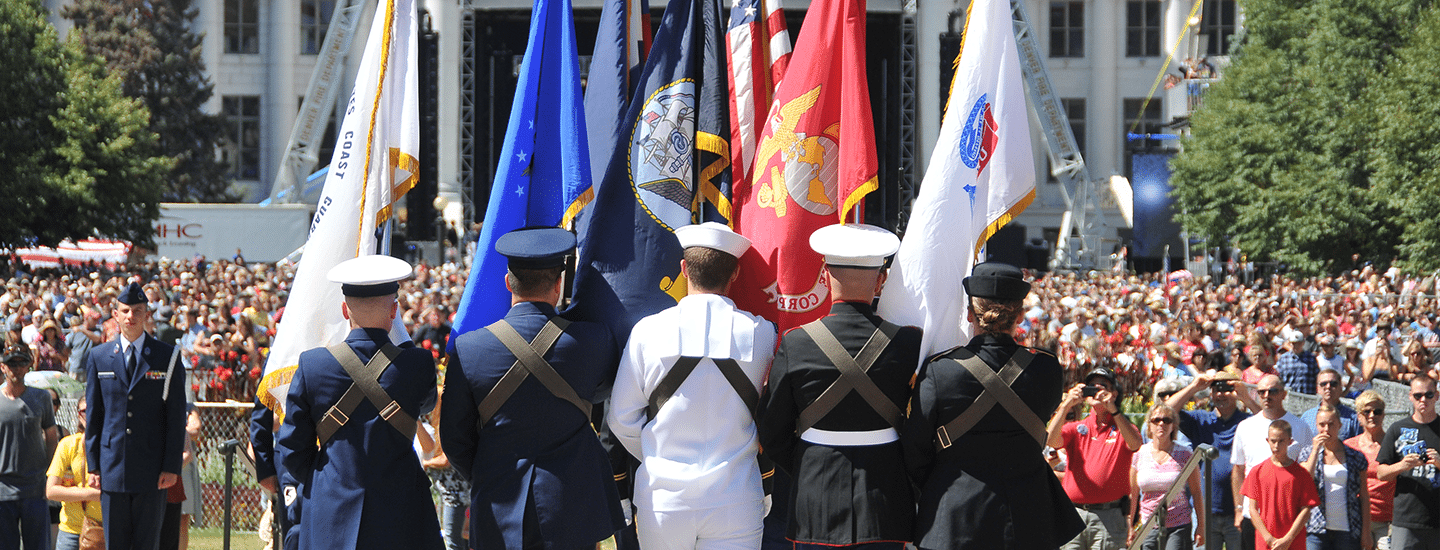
(671, 171)
(544, 164)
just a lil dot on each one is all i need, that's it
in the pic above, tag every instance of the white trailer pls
(260, 233)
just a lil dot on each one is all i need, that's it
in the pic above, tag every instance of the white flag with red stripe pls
(981, 176)
(759, 44)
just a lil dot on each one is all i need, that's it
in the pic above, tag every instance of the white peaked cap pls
(854, 244)
(373, 275)
(713, 235)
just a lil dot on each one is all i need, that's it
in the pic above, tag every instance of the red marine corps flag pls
(815, 160)
(981, 175)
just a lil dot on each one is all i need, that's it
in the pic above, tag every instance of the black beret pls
(132, 295)
(536, 247)
(996, 281)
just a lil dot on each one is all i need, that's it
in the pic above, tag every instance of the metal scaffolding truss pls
(905, 194)
(467, 117)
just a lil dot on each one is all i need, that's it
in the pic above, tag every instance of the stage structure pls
(493, 45)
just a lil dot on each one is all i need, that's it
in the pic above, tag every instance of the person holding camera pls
(1099, 450)
(1408, 456)
(1216, 428)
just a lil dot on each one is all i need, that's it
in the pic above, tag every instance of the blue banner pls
(1155, 224)
(544, 163)
(673, 169)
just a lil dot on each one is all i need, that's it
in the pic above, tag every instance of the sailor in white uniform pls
(684, 402)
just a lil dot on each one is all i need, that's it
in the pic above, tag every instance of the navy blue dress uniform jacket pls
(992, 488)
(841, 495)
(538, 453)
(132, 435)
(365, 487)
(262, 440)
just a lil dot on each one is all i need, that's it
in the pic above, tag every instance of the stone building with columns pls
(1103, 57)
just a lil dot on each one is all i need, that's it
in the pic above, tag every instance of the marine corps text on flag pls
(814, 162)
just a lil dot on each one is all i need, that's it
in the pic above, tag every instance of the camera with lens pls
(1090, 391)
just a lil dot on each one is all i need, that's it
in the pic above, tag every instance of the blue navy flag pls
(544, 163)
(620, 49)
(672, 170)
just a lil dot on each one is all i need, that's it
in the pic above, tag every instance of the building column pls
(445, 18)
(1102, 51)
(280, 46)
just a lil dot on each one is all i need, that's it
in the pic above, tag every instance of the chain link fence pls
(219, 422)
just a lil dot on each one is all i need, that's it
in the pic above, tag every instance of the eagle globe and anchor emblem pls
(809, 178)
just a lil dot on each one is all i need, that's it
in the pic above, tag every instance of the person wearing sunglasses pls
(1329, 386)
(27, 439)
(1382, 493)
(1251, 446)
(1153, 469)
(1408, 456)
(1216, 428)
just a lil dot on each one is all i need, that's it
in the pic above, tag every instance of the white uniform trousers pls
(733, 527)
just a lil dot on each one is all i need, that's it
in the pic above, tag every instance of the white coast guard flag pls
(374, 165)
(980, 176)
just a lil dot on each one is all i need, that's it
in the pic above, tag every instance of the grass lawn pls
(214, 539)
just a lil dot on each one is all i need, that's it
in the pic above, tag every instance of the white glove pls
(768, 503)
(629, 511)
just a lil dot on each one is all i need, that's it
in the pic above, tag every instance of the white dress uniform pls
(698, 485)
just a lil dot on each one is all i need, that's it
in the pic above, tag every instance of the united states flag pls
(759, 54)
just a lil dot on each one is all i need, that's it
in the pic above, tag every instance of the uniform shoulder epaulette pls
(1041, 351)
(943, 353)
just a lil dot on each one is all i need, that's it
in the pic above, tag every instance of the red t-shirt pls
(1382, 493)
(1279, 495)
(1098, 462)
(1187, 350)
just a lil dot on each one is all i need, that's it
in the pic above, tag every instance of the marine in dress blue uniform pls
(840, 448)
(362, 487)
(540, 477)
(135, 426)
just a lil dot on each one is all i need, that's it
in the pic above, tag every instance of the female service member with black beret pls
(973, 439)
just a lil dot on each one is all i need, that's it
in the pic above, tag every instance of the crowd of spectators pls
(223, 313)
(1140, 339)
(1365, 325)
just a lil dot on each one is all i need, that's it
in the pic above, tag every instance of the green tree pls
(1278, 161)
(159, 59)
(1405, 147)
(32, 81)
(74, 152)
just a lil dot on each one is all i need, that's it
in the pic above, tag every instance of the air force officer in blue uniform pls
(135, 426)
(356, 471)
(540, 478)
